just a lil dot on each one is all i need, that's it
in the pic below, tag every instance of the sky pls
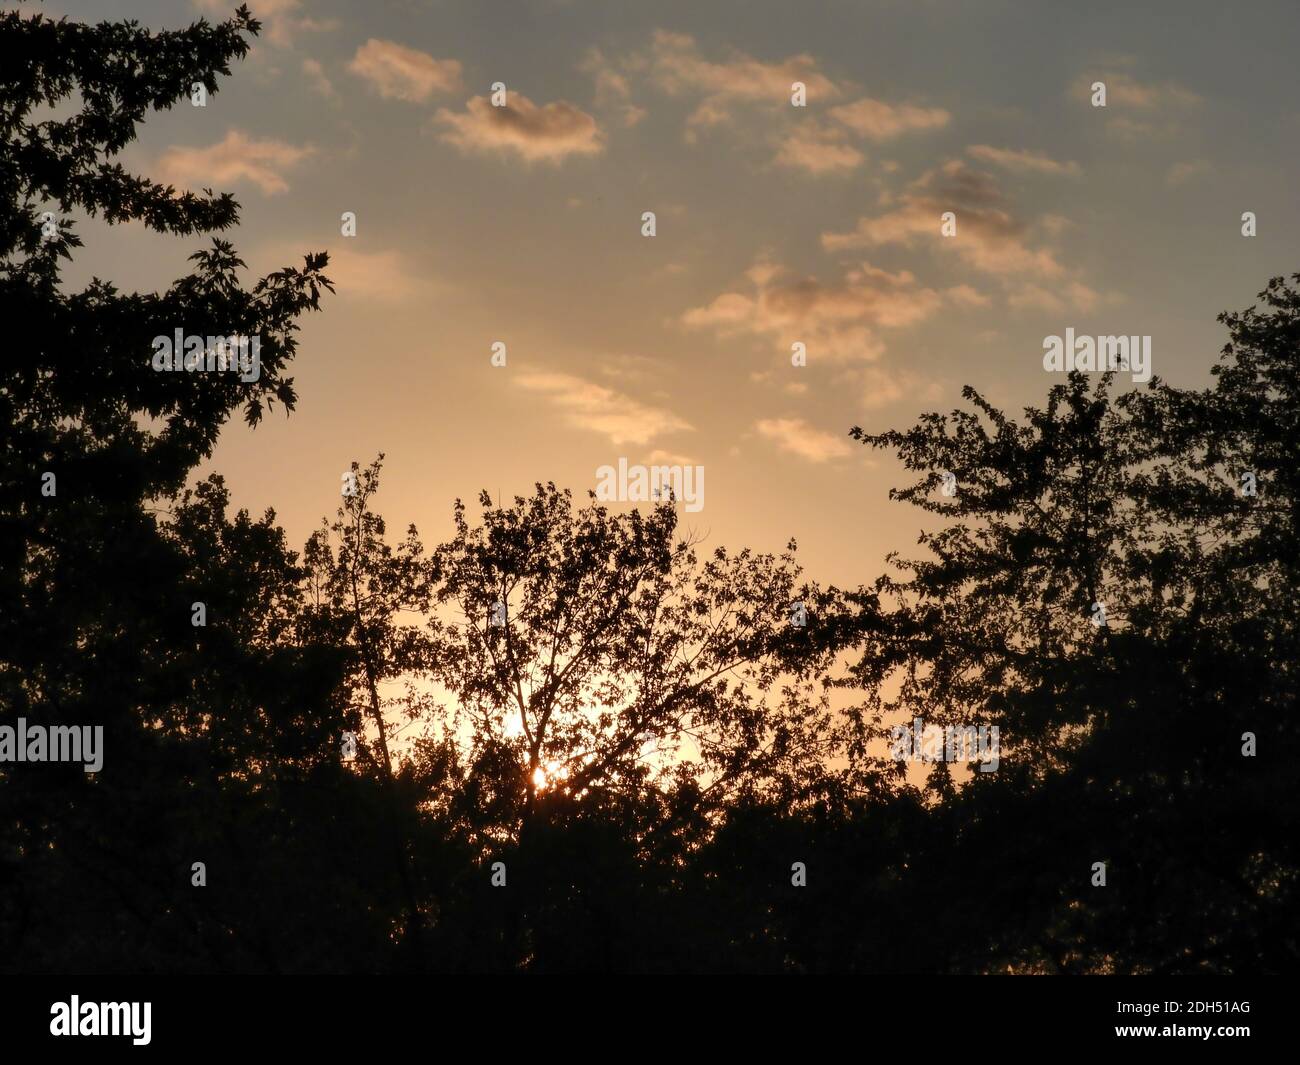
(775, 225)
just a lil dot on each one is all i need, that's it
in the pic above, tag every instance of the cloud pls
(1074, 294)
(594, 407)
(320, 83)
(1055, 224)
(632, 369)
(966, 296)
(673, 64)
(236, 158)
(726, 85)
(988, 236)
(797, 437)
(672, 458)
(779, 379)
(280, 18)
(881, 389)
(613, 90)
(1021, 160)
(677, 67)
(1137, 110)
(611, 86)
(879, 121)
(1181, 173)
(818, 150)
(1127, 91)
(386, 276)
(548, 133)
(823, 148)
(402, 73)
(836, 320)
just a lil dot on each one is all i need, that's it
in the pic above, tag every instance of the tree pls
(359, 595)
(642, 731)
(205, 727)
(1122, 734)
(591, 653)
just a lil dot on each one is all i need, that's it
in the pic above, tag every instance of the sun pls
(545, 776)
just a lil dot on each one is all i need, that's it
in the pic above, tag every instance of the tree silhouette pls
(212, 734)
(1122, 742)
(604, 655)
(656, 740)
(605, 685)
(359, 595)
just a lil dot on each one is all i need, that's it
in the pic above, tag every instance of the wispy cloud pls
(1181, 173)
(586, 405)
(880, 121)
(1136, 109)
(883, 387)
(320, 83)
(632, 369)
(283, 20)
(796, 436)
(613, 89)
(236, 158)
(386, 277)
(1022, 160)
(1125, 90)
(1071, 295)
(677, 66)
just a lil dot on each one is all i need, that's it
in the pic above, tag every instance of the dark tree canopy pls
(1175, 510)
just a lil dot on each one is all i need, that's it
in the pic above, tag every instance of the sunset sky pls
(775, 224)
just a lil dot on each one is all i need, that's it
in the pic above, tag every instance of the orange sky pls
(775, 225)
